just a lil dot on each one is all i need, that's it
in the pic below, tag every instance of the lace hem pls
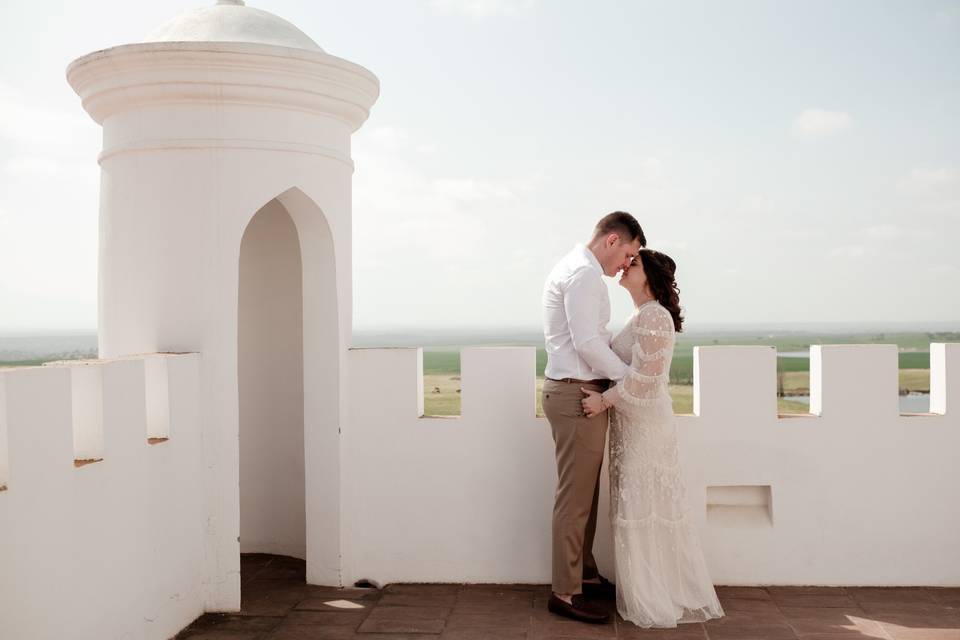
(686, 615)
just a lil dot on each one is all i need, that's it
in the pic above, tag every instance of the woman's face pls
(634, 278)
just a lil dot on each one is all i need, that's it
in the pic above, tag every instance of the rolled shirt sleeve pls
(582, 299)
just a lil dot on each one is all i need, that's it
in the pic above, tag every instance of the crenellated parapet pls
(851, 493)
(101, 462)
(63, 409)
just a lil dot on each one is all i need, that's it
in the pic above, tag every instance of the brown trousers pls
(579, 443)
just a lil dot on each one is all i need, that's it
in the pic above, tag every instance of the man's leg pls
(579, 451)
(590, 570)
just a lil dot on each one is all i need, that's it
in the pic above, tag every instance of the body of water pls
(910, 403)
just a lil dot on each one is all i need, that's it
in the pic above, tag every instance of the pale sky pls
(800, 161)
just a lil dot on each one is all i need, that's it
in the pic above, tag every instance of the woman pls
(661, 575)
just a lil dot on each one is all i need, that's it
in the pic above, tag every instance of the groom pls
(576, 310)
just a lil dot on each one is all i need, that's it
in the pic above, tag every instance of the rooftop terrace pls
(278, 604)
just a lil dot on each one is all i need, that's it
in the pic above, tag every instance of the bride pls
(661, 575)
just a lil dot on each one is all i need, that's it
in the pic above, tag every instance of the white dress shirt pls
(576, 310)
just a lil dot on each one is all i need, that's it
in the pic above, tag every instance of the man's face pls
(619, 254)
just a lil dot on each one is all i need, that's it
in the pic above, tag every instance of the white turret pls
(225, 229)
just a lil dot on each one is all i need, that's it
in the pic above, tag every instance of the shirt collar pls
(592, 259)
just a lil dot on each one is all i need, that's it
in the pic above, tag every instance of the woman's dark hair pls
(660, 270)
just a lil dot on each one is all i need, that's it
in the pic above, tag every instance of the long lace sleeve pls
(649, 372)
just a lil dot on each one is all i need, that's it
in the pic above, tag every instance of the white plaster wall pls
(857, 495)
(112, 549)
(272, 518)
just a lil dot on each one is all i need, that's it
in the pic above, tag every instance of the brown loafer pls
(580, 609)
(604, 590)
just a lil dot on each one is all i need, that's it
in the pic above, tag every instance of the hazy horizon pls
(27, 346)
(689, 328)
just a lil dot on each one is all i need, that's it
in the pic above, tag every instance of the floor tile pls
(393, 625)
(749, 631)
(889, 594)
(470, 633)
(752, 593)
(687, 631)
(945, 595)
(820, 601)
(419, 600)
(853, 626)
(487, 619)
(564, 628)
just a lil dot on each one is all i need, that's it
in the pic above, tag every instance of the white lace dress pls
(661, 575)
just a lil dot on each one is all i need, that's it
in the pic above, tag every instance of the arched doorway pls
(270, 380)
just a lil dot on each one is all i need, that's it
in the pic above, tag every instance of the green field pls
(441, 366)
(442, 397)
(23, 363)
(442, 392)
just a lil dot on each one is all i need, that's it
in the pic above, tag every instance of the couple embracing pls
(593, 381)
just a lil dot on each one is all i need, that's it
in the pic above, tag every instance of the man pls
(576, 309)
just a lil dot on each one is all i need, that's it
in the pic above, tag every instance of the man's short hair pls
(623, 224)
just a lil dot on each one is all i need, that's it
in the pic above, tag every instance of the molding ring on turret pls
(205, 144)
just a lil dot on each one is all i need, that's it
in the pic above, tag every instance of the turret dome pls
(232, 21)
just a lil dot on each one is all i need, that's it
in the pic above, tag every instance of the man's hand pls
(593, 404)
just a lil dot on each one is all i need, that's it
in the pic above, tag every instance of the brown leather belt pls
(597, 381)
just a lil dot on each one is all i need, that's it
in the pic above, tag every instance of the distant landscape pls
(441, 360)
(27, 350)
(441, 357)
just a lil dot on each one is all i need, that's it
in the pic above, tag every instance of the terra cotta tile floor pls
(277, 604)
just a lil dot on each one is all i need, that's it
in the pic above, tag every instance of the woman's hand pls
(594, 403)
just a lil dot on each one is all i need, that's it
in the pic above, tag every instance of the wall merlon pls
(4, 459)
(39, 427)
(124, 409)
(392, 380)
(498, 382)
(854, 380)
(735, 381)
(183, 372)
(87, 411)
(944, 377)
